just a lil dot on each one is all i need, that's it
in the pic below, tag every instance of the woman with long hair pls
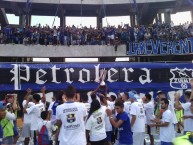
(95, 125)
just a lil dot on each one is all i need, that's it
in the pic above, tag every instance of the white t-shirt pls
(53, 117)
(167, 134)
(127, 106)
(27, 117)
(72, 115)
(149, 112)
(111, 105)
(138, 110)
(87, 105)
(108, 126)
(96, 125)
(171, 108)
(35, 112)
(188, 123)
(49, 126)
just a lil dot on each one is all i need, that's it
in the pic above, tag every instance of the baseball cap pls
(2, 105)
(132, 95)
(160, 92)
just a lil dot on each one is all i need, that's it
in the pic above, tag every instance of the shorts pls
(109, 135)
(26, 132)
(138, 138)
(15, 130)
(8, 140)
(151, 130)
(101, 142)
(166, 143)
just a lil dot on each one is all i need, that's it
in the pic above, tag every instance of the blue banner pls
(159, 47)
(143, 77)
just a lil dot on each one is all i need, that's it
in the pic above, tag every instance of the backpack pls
(43, 136)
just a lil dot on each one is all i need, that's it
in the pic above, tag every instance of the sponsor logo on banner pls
(181, 78)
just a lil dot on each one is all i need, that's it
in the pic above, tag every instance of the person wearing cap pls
(6, 124)
(188, 114)
(137, 115)
(35, 112)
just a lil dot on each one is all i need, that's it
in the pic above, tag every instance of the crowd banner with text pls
(85, 76)
(159, 47)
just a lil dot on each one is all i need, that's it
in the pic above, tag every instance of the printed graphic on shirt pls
(99, 120)
(71, 118)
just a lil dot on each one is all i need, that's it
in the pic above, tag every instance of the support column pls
(132, 20)
(99, 22)
(160, 17)
(192, 16)
(167, 17)
(156, 19)
(28, 20)
(21, 20)
(63, 21)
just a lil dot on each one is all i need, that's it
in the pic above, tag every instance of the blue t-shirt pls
(125, 134)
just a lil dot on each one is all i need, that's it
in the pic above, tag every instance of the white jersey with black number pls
(72, 116)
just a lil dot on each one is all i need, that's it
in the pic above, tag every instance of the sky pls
(87, 21)
(178, 18)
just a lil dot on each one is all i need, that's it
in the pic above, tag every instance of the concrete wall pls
(90, 1)
(61, 51)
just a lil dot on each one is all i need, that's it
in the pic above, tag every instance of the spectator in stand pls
(94, 36)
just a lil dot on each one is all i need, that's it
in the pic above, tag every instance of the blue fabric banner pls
(120, 76)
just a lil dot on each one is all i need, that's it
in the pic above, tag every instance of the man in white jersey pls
(137, 114)
(70, 120)
(27, 119)
(188, 114)
(165, 124)
(35, 112)
(149, 112)
(127, 103)
(170, 107)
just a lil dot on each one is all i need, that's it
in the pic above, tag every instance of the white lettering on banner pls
(39, 76)
(146, 77)
(16, 71)
(126, 74)
(81, 75)
(22, 72)
(54, 69)
(109, 75)
(68, 75)
(97, 72)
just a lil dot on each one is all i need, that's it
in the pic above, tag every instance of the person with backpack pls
(45, 129)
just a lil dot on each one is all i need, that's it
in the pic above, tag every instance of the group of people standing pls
(72, 119)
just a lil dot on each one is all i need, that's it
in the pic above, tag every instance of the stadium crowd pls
(93, 36)
(73, 119)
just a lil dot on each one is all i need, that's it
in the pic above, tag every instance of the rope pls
(81, 13)
(56, 14)
(104, 9)
(28, 6)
